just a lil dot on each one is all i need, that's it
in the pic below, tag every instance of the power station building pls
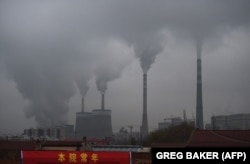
(231, 122)
(95, 124)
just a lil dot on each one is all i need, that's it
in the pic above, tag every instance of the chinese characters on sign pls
(73, 158)
(83, 157)
(61, 157)
(76, 157)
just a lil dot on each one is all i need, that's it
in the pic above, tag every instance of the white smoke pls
(115, 55)
(149, 48)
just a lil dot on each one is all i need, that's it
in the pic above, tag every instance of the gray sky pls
(54, 52)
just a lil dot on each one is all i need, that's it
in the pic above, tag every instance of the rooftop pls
(213, 138)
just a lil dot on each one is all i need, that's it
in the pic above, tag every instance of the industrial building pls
(124, 137)
(95, 124)
(173, 121)
(170, 122)
(231, 122)
(63, 132)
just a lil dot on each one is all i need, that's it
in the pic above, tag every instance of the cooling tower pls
(144, 127)
(83, 125)
(101, 123)
(199, 105)
(95, 124)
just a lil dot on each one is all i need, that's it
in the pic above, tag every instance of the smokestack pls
(102, 106)
(144, 127)
(199, 104)
(82, 104)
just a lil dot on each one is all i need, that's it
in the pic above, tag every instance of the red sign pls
(75, 157)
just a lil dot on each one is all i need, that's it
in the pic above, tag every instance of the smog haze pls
(53, 53)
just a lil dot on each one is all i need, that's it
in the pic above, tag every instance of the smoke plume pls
(82, 76)
(47, 87)
(116, 55)
(148, 49)
(41, 57)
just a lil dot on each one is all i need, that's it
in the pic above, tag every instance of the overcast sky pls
(54, 52)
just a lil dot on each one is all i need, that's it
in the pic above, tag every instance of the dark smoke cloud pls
(48, 87)
(42, 55)
(138, 21)
(202, 19)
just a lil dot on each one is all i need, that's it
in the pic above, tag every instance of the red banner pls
(75, 157)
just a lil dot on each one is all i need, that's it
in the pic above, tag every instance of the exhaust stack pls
(199, 103)
(144, 127)
(82, 104)
(102, 105)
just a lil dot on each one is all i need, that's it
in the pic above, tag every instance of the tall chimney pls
(144, 127)
(199, 104)
(82, 104)
(102, 106)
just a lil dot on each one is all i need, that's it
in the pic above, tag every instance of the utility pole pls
(130, 131)
(184, 116)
